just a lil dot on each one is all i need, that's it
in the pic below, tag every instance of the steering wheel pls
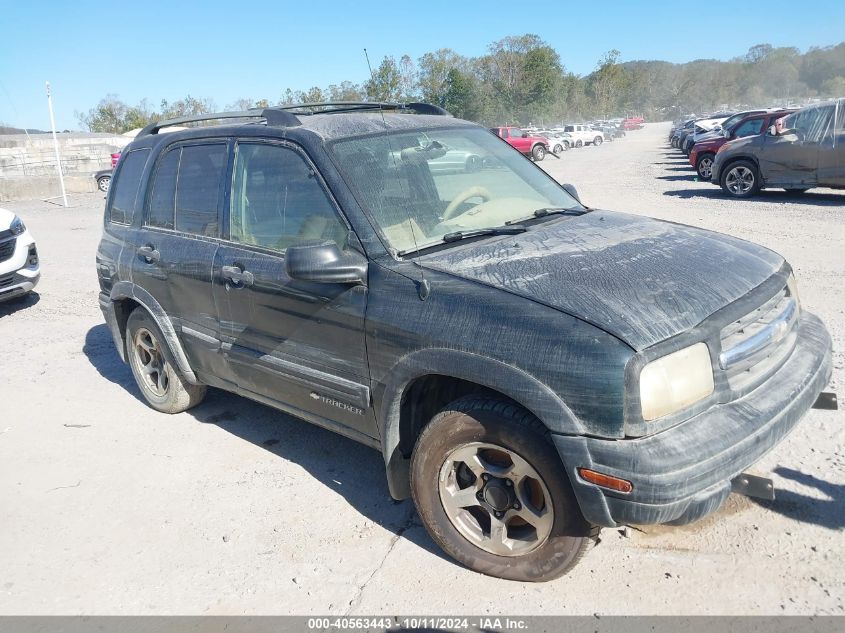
(466, 194)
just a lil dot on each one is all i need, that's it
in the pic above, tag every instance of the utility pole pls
(56, 144)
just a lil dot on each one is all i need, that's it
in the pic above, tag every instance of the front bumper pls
(17, 275)
(684, 473)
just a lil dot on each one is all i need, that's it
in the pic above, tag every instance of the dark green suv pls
(531, 369)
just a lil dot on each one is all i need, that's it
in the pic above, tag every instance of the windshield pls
(420, 186)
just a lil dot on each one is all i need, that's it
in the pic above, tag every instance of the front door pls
(298, 344)
(790, 158)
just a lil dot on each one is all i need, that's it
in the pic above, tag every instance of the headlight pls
(17, 226)
(792, 287)
(675, 381)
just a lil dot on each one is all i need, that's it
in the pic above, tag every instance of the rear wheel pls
(740, 179)
(598, 141)
(492, 492)
(161, 384)
(538, 152)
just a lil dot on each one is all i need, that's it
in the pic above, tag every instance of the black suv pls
(531, 369)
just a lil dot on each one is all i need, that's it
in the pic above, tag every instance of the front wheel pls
(704, 166)
(579, 143)
(492, 492)
(558, 149)
(538, 152)
(161, 384)
(103, 183)
(740, 179)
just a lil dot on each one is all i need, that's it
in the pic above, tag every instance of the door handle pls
(149, 254)
(239, 278)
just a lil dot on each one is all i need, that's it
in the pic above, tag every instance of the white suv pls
(583, 135)
(19, 269)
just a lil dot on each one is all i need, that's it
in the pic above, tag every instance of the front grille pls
(7, 248)
(754, 346)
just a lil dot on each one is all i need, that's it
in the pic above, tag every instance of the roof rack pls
(280, 115)
(273, 116)
(332, 107)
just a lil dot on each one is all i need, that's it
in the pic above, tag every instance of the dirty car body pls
(419, 286)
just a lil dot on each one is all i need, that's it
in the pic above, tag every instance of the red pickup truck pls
(535, 147)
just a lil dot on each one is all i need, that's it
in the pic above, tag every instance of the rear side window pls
(185, 191)
(163, 194)
(127, 181)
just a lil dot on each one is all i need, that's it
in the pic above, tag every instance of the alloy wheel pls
(739, 180)
(495, 499)
(150, 361)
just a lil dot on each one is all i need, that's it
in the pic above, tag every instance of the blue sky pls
(166, 50)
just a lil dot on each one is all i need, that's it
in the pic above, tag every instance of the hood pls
(640, 279)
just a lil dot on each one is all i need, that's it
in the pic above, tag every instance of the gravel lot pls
(111, 508)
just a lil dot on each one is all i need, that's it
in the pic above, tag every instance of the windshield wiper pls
(510, 229)
(541, 213)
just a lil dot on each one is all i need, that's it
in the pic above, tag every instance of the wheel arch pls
(423, 382)
(125, 297)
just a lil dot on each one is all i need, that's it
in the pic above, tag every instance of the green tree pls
(386, 82)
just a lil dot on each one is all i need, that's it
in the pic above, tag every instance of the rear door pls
(299, 344)
(832, 151)
(180, 236)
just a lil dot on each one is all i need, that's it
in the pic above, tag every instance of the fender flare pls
(508, 380)
(173, 347)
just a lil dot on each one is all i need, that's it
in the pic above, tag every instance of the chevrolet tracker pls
(531, 369)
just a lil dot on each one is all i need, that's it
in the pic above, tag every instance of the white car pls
(558, 141)
(19, 269)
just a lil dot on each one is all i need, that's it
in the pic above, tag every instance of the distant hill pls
(5, 129)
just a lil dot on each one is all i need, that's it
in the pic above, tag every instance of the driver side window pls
(277, 200)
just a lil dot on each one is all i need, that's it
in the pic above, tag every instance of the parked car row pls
(791, 149)
(536, 142)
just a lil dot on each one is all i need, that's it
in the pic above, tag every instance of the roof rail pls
(279, 115)
(273, 116)
(333, 107)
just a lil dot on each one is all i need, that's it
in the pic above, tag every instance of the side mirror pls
(572, 191)
(323, 262)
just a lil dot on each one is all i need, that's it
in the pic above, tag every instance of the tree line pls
(522, 80)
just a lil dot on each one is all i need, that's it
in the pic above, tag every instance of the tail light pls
(114, 159)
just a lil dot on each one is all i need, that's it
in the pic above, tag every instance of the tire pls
(579, 143)
(558, 149)
(598, 141)
(473, 164)
(103, 183)
(740, 179)
(498, 437)
(566, 146)
(704, 166)
(538, 152)
(160, 382)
